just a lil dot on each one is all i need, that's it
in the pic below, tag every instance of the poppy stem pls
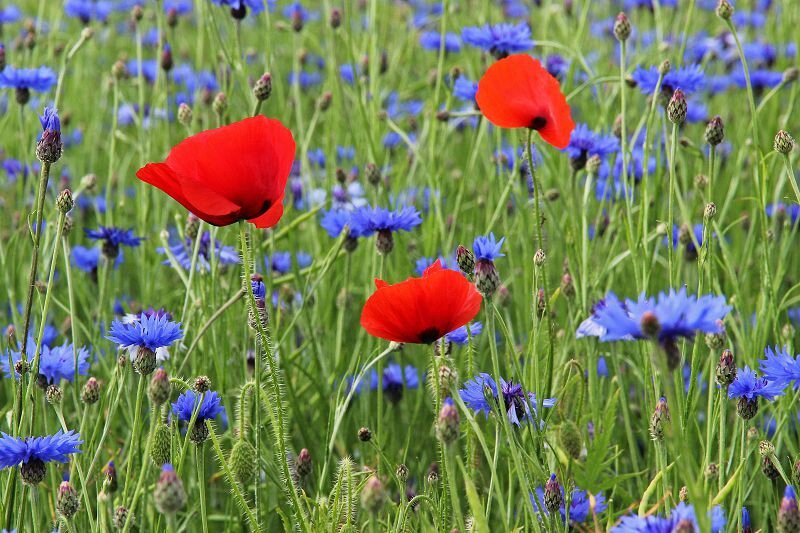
(539, 221)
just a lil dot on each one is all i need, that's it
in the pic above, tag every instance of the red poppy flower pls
(517, 92)
(230, 173)
(421, 310)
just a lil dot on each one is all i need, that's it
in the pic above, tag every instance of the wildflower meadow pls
(399, 265)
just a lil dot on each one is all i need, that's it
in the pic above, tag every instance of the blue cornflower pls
(465, 89)
(431, 40)
(345, 153)
(460, 336)
(781, 212)
(760, 79)
(500, 39)
(26, 79)
(487, 247)
(334, 222)
(9, 14)
(395, 379)
(667, 317)
(297, 13)
(280, 262)
(187, 402)
(304, 79)
(348, 197)
(635, 165)
(179, 7)
(633, 4)
(748, 388)
(682, 513)
(580, 506)
(780, 366)
(557, 66)
(584, 143)
(55, 363)
(241, 6)
(183, 251)
(33, 452)
(689, 79)
(381, 220)
(424, 262)
(112, 239)
(87, 10)
(88, 259)
(690, 237)
(50, 121)
(152, 331)
(518, 405)
(349, 72)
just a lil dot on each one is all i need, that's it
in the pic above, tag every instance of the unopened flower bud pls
(64, 201)
(710, 211)
(659, 419)
(184, 114)
(447, 425)
(364, 434)
(784, 143)
(161, 445)
(243, 462)
(373, 495)
(553, 498)
(220, 104)
(53, 394)
(169, 494)
(465, 259)
(202, 384)
(91, 391)
(159, 388)
(677, 107)
(67, 501)
(622, 27)
(715, 131)
(724, 10)
(262, 89)
(664, 67)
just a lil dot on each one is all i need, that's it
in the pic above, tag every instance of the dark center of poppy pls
(538, 123)
(429, 335)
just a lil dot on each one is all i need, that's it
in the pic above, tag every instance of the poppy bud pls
(243, 462)
(553, 498)
(166, 58)
(67, 501)
(569, 436)
(262, 89)
(676, 108)
(373, 496)
(122, 516)
(364, 434)
(784, 143)
(659, 418)
(184, 114)
(747, 409)
(724, 10)
(161, 445)
(64, 201)
(447, 425)
(622, 27)
(336, 18)
(144, 362)
(715, 132)
(91, 391)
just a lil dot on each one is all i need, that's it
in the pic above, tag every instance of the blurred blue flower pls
(500, 39)
(518, 405)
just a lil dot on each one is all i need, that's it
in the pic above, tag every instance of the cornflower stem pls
(47, 299)
(44, 177)
(134, 434)
(199, 455)
(742, 460)
(84, 487)
(142, 472)
(278, 410)
(540, 243)
(624, 149)
(670, 208)
(722, 422)
(192, 269)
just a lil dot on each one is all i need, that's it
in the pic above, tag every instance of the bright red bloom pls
(421, 310)
(230, 173)
(517, 92)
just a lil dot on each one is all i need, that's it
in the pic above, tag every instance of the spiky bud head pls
(53, 394)
(64, 201)
(67, 502)
(33, 472)
(664, 67)
(159, 388)
(677, 107)
(593, 164)
(465, 259)
(122, 516)
(373, 173)
(198, 432)
(766, 448)
(622, 27)
(144, 360)
(373, 495)
(790, 74)
(401, 472)
(784, 143)
(726, 369)
(220, 104)
(169, 494)
(110, 484)
(262, 89)
(202, 384)
(715, 131)
(724, 9)
(659, 419)
(553, 498)
(448, 423)
(185, 114)
(539, 258)
(91, 391)
(335, 18)
(364, 434)
(683, 494)
(747, 409)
